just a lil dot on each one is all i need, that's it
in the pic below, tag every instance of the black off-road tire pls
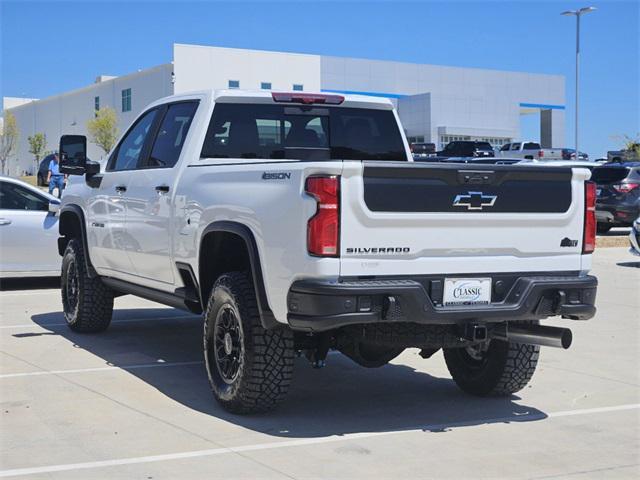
(501, 370)
(251, 370)
(87, 302)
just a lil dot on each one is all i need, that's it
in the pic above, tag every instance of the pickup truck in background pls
(298, 223)
(423, 150)
(529, 151)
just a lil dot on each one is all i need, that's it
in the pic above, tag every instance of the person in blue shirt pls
(55, 178)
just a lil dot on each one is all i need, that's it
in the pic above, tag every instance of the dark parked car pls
(422, 150)
(467, 149)
(618, 194)
(43, 171)
(570, 154)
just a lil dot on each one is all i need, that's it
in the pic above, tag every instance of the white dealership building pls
(436, 103)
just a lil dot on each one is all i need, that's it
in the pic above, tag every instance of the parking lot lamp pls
(577, 14)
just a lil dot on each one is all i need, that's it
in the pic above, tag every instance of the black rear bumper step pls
(319, 305)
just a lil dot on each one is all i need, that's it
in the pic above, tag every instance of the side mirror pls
(73, 154)
(54, 206)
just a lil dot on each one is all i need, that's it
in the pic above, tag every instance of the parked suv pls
(43, 171)
(297, 223)
(618, 194)
(467, 149)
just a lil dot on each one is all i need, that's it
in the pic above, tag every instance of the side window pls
(505, 147)
(15, 197)
(531, 146)
(130, 148)
(171, 135)
(515, 146)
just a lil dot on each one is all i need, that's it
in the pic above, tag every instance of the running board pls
(176, 300)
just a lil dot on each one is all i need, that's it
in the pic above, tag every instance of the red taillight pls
(307, 98)
(323, 229)
(589, 239)
(625, 187)
(540, 153)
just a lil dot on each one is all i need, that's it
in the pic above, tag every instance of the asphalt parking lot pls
(134, 403)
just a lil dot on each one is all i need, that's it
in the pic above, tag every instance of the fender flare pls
(266, 314)
(63, 239)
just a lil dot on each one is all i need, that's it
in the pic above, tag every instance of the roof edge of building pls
(93, 85)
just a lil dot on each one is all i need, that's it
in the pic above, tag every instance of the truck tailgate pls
(405, 218)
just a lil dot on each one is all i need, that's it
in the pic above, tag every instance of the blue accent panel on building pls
(542, 106)
(370, 94)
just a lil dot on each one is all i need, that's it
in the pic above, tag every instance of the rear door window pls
(531, 146)
(302, 132)
(171, 135)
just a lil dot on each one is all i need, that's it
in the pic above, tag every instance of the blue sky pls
(51, 47)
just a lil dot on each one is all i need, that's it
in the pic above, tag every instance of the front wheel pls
(498, 368)
(249, 368)
(86, 301)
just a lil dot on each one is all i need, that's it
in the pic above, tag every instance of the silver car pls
(28, 231)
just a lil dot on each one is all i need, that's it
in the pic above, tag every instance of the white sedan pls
(28, 231)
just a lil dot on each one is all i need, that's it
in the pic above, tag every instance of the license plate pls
(467, 291)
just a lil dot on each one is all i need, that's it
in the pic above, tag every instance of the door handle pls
(121, 188)
(5, 221)
(162, 188)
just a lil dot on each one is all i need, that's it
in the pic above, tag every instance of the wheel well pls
(221, 252)
(69, 227)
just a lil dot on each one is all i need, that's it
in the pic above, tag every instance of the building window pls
(96, 105)
(265, 85)
(298, 87)
(234, 83)
(126, 100)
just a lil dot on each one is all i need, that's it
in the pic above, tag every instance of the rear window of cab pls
(312, 133)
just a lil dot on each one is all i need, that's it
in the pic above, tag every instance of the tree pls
(632, 146)
(37, 146)
(8, 140)
(103, 129)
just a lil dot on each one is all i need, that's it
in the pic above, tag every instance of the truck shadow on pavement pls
(37, 283)
(339, 399)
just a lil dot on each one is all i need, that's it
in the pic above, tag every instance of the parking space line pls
(100, 369)
(302, 442)
(29, 293)
(132, 320)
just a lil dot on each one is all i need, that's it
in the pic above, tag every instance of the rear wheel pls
(497, 368)
(87, 302)
(249, 368)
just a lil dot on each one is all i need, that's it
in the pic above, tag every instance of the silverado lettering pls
(375, 250)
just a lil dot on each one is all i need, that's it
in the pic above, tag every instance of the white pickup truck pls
(297, 223)
(528, 150)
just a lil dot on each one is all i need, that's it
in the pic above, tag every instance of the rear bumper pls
(320, 306)
(617, 215)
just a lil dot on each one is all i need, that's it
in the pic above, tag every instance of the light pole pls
(577, 14)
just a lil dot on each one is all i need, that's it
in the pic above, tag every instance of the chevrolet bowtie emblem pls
(474, 200)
